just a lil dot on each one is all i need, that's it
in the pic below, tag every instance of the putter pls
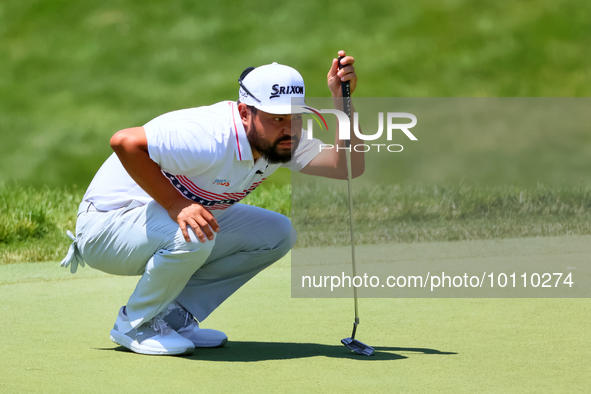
(352, 343)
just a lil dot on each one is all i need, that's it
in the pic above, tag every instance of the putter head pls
(358, 347)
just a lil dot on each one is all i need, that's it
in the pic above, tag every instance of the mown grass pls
(411, 213)
(73, 73)
(422, 345)
(33, 222)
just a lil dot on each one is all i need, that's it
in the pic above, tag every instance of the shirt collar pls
(242, 147)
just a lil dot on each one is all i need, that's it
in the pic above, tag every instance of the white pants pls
(200, 276)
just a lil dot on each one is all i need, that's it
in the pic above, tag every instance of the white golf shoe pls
(184, 323)
(154, 337)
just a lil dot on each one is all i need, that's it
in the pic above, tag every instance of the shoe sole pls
(220, 344)
(125, 341)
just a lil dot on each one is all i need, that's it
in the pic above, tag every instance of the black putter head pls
(358, 347)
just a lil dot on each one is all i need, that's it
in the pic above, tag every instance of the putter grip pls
(346, 88)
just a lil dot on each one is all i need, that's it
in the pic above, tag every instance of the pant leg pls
(250, 239)
(142, 241)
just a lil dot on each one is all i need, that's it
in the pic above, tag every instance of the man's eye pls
(279, 119)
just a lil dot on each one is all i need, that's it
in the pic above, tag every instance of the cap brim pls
(280, 109)
(286, 109)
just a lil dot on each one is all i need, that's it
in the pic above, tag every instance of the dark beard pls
(270, 152)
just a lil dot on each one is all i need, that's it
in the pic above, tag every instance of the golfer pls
(165, 206)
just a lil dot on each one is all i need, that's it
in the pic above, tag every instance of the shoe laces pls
(160, 326)
(189, 318)
(177, 317)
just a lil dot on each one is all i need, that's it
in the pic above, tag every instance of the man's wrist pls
(177, 203)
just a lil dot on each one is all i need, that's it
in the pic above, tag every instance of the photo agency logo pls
(393, 126)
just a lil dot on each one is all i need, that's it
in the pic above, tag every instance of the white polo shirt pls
(205, 154)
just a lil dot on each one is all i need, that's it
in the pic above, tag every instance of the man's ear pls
(244, 114)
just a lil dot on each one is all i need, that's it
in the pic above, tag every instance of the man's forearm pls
(131, 148)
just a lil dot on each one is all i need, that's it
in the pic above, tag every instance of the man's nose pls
(287, 129)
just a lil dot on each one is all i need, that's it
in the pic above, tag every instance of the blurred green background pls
(72, 73)
(478, 141)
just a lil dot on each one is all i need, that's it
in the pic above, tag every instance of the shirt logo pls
(277, 90)
(221, 182)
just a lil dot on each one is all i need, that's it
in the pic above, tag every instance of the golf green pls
(55, 338)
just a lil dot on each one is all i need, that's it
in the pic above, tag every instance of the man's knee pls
(290, 237)
(274, 232)
(287, 241)
(280, 232)
(294, 237)
(284, 234)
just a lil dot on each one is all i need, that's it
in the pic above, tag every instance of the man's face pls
(274, 137)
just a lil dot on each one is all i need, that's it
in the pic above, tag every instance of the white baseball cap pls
(272, 88)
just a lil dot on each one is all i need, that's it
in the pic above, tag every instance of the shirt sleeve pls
(181, 147)
(308, 149)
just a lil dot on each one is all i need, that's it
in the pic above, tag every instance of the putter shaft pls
(346, 89)
(349, 176)
(352, 343)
